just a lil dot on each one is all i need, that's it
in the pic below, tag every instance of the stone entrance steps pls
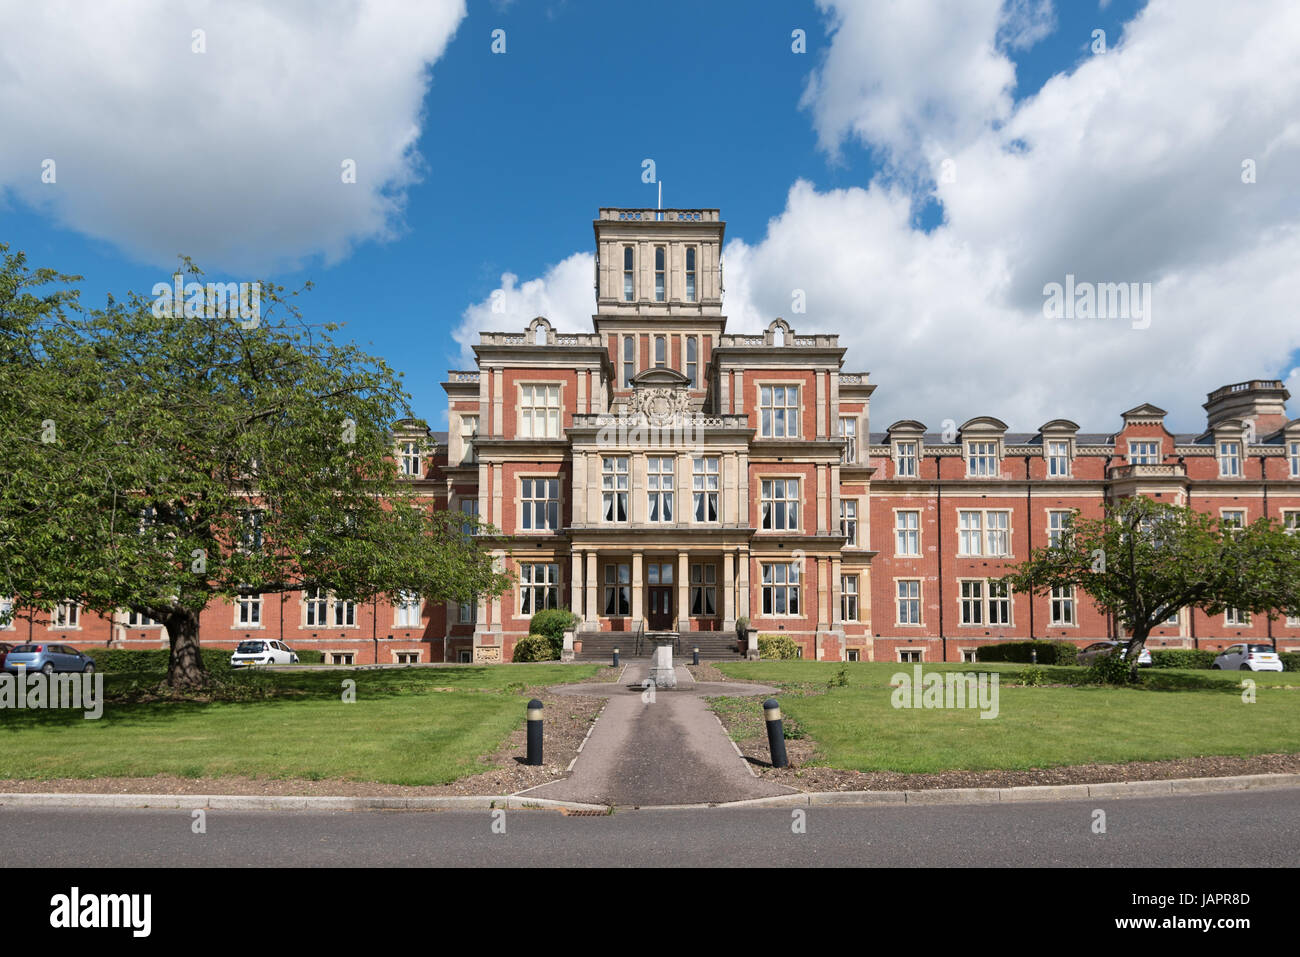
(713, 645)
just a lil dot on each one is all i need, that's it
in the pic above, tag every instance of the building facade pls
(660, 474)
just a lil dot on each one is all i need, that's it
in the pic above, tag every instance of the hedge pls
(777, 646)
(1290, 660)
(535, 648)
(1021, 652)
(1182, 658)
(151, 660)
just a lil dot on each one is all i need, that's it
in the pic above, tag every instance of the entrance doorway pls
(660, 612)
(659, 596)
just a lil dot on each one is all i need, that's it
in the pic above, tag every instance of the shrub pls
(552, 623)
(777, 646)
(1290, 660)
(536, 648)
(309, 657)
(1182, 658)
(1110, 669)
(1021, 652)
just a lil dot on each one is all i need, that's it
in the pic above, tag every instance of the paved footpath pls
(669, 749)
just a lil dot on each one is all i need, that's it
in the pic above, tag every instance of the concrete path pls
(668, 748)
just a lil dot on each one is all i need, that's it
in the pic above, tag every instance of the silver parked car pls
(1094, 651)
(48, 658)
(1247, 657)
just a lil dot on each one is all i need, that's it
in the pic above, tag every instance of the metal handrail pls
(640, 631)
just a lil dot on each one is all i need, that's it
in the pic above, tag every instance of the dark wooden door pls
(660, 613)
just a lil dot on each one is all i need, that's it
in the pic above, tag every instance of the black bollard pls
(775, 732)
(696, 659)
(534, 732)
(615, 657)
(1033, 656)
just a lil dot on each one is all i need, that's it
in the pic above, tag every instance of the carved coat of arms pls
(659, 404)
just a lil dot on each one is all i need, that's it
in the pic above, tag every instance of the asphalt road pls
(1244, 829)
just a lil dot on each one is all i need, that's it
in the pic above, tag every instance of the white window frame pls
(614, 482)
(849, 522)
(970, 602)
(786, 505)
(706, 481)
(849, 598)
(990, 535)
(906, 533)
(1058, 523)
(907, 458)
(660, 476)
(408, 610)
(248, 611)
(1140, 452)
(537, 408)
(66, 617)
(905, 600)
(787, 409)
(532, 589)
(531, 505)
(983, 459)
(1229, 452)
(1293, 455)
(468, 433)
(781, 587)
(849, 432)
(1058, 458)
(408, 452)
(1064, 610)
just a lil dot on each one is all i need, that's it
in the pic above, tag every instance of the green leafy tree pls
(1145, 560)
(161, 457)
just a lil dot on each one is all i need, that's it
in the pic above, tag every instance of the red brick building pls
(661, 474)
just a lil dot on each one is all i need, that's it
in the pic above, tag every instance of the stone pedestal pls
(662, 672)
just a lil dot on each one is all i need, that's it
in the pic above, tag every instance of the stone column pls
(821, 499)
(638, 606)
(575, 584)
(593, 610)
(728, 591)
(683, 593)
(836, 586)
(823, 572)
(742, 586)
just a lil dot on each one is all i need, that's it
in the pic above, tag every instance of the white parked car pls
(1246, 657)
(263, 651)
(1094, 651)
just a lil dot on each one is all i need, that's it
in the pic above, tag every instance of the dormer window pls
(1229, 459)
(690, 273)
(409, 459)
(660, 274)
(981, 458)
(1144, 453)
(627, 274)
(1058, 458)
(906, 460)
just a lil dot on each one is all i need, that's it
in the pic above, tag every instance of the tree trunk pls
(185, 669)
(1135, 645)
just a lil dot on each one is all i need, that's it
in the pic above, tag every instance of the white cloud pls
(565, 295)
(234, 155)
(915, 80)
(1126, 169)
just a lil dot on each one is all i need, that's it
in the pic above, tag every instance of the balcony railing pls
(660, 215)
(694, 420)
(1148, 471)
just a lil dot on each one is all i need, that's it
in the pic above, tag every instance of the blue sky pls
(515, 152)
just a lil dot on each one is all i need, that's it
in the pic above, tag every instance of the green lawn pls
(1183, 714)
(404, 728)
